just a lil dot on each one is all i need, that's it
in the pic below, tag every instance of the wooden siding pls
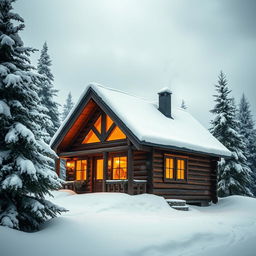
(201, 178)
(140, 165)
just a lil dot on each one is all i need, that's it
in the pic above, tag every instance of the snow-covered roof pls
(150, 126)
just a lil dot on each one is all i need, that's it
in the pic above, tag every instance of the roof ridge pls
(120, 91)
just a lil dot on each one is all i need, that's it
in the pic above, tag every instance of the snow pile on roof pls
(165, 89)
(149, 125)
(114, 224)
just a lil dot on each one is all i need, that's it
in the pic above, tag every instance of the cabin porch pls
(106, 171)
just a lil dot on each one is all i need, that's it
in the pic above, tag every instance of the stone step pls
(176, 202)
(181, 208)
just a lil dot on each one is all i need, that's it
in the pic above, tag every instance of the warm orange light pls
(116, 134)
(97, 124)
(91, 137)
(169, 168)
(81, 170)
(109, 122)
(120, 168)
(180, 169)
(99, 170)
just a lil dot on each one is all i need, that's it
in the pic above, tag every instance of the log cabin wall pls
(201, 178)
(140, 165)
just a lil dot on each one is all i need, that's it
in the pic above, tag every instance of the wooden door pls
(98, 175)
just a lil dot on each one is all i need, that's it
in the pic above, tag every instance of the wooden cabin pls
(116, 142)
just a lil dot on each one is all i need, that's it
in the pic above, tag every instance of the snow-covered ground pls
(118, 224)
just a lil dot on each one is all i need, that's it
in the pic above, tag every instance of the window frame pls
(175, 158)
(86, 171)
(112, 165)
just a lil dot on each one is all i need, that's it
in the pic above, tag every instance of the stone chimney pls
(165, 102)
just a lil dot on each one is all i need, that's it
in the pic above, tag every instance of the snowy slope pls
(113, 224)
(148, 124)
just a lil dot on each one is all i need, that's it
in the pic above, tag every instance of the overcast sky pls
(141, 46)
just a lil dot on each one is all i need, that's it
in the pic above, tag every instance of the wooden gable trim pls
(91, 94)
(135, 141)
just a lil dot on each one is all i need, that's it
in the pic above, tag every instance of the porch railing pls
(121, 186)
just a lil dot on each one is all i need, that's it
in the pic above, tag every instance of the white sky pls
(140, 46)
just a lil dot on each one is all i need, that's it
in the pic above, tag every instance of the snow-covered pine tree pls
(183, 105)
(67, 106)
(247, 130)
(47, 92)
(234, 174)
(26, 175)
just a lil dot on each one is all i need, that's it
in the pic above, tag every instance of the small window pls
(174, 168)
(119, 168)
(81, 170)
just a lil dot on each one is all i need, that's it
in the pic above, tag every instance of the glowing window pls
(109, 122)
(70, 170)
(97, 124)
(180, 169)
(169, 168)
(81, 170)
(99, 169)
(120, 168)
(91, 137)
(116, 134)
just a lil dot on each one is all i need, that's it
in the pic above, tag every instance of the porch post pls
(130, 170)
(57, 166)
(105, 171)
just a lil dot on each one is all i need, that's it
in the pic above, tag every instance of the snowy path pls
(119, 224)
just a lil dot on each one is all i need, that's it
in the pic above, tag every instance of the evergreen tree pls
(26, 175)
(248, 132)
(67, 106)
(234, 174)
(47, 92)
(183, 105)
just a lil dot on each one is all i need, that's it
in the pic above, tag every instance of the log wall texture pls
(201, 178)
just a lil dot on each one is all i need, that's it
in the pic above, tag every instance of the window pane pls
(182, 176)
(97, 124)
(109, 122)
(167, 163)
(91, 137)
(119, 168)
(169, 168)
(70, 170)
(78, 165)
(116, 134)
(181, 169)
(81, 170)
(99, 165)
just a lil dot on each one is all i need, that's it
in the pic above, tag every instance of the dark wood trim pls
(150, 170)
(130, 170)
(112, 127)
(93, 151)
(57, 166)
